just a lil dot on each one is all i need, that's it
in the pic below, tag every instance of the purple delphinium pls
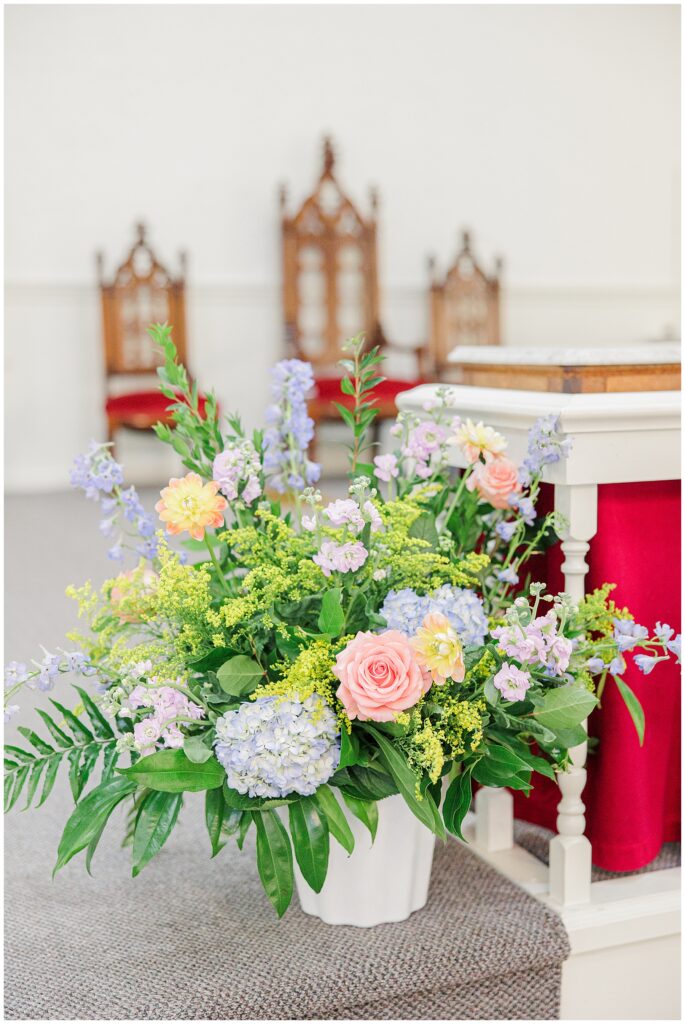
(100, 477)
(628, 634)
(545, 446)
(290, 429)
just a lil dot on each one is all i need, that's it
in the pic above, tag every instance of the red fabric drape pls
(633, 793)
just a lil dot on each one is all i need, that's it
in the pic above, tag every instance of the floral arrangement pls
(290, 657)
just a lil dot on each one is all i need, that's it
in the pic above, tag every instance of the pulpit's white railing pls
(616, 438)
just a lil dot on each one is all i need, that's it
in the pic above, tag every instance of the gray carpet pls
(194, 938)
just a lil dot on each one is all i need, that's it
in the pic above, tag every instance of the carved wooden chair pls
(141, 292)
(464, 308)
(330, 289)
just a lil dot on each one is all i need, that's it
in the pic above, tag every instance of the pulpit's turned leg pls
(570, 853)
(494, 819)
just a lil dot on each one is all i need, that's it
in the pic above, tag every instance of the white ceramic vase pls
(378, 883)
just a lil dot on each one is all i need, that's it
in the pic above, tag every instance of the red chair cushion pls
(142, 405)
(328, 390)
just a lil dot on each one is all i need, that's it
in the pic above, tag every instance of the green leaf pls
(565, 707)
(335, 816)
(424, 528)
(101, 726)
(364, 782)
(196, 748)
(332, 617)
(523, 751)
(309, 831)
(54, 730)
(274, 859)
(498, 766)
(171, 771)
(349, 749)
(156, 819)
(346, 414)
(89, 816)
(41, 746)
(34, 778)
(457, 803)
(424, 809)
(634, 708)
(245, 822)
(569, 738)
(239, 675)
(365, 810)
(491, 693)
(14, 784)
(346, 386)
(215, 808)
(53, 764)
(80, 731)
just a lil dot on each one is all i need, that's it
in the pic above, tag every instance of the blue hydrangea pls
(464, 609)
(405, 610)
(272, 746)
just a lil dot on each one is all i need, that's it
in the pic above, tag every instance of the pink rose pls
(379, 676)
(495, 481)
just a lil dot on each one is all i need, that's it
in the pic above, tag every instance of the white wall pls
(551, 131)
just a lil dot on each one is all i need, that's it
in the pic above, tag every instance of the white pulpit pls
(615, 438)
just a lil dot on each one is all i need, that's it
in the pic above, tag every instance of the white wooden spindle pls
(570, 853)
(494, 819)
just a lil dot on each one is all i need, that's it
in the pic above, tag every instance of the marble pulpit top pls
(516, 355)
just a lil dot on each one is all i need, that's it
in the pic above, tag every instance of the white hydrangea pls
(274, 746)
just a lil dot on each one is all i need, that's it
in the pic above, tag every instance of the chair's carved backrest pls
(141, 292)
(465, 305)
(330, 284)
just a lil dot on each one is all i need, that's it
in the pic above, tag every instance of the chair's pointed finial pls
(328, 155)
(282, 197)
(466, 240)
(373, 198)
(141, 233)
(100, 266)
(183, 263)
(432, 269)
(499, 266)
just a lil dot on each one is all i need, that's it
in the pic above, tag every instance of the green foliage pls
(360, 380)
(457, 802)
(240, 675)
(309, 832)
(274, 859)
(635, 709)
(73, 741)
(335, 817)
(365, 810)
(195, 437)
(87, 821)
(171, 771)
(564, 707)
(157, 815)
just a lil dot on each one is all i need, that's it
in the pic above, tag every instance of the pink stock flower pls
(386, 467)
(559, 655)
(512, 682)
(379, 676)
(495, 481)
(333, 557)
(345, 512)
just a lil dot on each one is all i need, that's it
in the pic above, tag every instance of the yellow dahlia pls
(475, 439)
(189, 504)
(438, 649)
